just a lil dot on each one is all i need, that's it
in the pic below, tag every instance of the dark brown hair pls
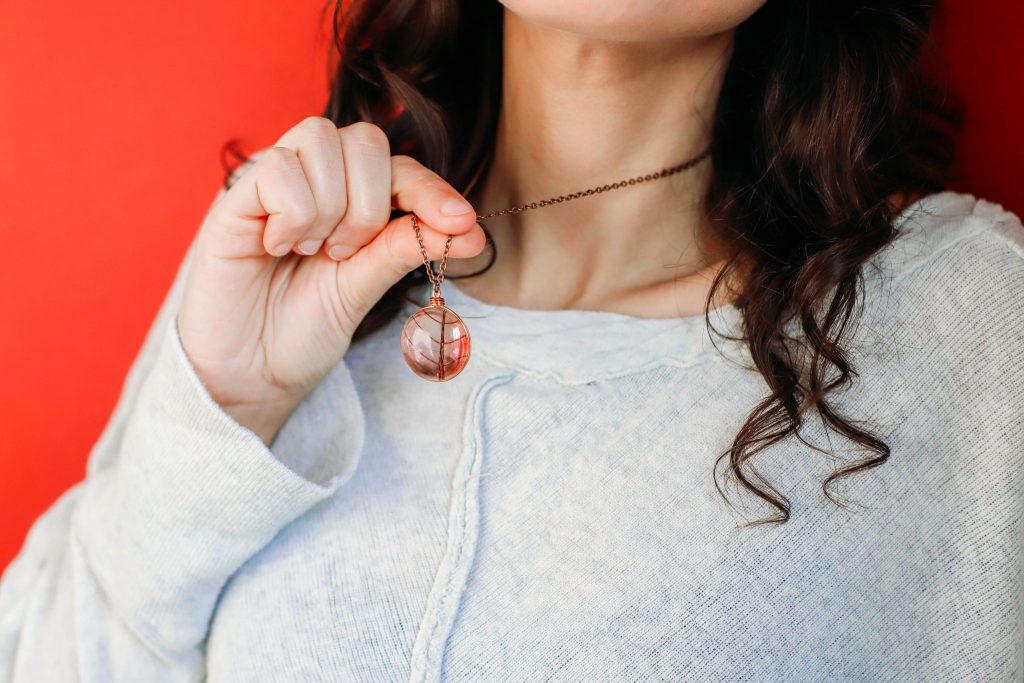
(823, 130)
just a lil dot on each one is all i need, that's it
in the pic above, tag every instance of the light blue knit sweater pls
(550, 513)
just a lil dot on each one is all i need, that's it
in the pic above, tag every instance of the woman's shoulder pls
(948, 291)
(956, 232)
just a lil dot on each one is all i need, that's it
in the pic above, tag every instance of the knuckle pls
(416, 178)
(403, 161)
(283, 165)
(318, 126)
(362, 220)
(431, 184)
(368, 133)
(396, 256)
(301, 215)
(332, 209)
(278, 156)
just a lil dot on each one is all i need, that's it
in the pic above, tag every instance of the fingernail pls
(336, 252)
(310, 246)
(455, 207)
(281, 249)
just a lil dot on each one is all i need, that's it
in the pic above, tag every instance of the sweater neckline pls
(575, 346)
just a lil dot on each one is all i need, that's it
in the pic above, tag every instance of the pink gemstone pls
(435, 343)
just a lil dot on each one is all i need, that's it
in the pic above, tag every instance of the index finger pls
(417, 189)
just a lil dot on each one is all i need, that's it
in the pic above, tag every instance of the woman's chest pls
(525, 532)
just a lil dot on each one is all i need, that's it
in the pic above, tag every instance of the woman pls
(278, 497)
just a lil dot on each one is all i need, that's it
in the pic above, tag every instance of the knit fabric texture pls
(550, 513)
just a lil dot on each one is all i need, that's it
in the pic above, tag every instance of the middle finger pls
(367, 155)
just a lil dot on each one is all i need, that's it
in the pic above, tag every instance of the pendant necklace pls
(435, 341)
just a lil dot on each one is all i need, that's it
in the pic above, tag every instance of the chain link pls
(436, 281)
(665, 172)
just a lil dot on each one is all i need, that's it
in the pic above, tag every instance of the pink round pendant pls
(435, 342)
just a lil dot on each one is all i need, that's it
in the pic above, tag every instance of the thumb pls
(368, 274)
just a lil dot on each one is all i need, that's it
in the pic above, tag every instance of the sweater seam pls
(463, 519)
(693, 359)
(143, 631)
(980, 230)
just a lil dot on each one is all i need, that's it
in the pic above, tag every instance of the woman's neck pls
(578, 113)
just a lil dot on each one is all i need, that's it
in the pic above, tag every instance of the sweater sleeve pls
(965, 308)
(118, 580)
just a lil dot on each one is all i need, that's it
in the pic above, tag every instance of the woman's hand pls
(297, 252)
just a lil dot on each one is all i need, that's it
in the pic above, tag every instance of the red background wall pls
(113, 114)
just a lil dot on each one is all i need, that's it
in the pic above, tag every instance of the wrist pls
(263, 419)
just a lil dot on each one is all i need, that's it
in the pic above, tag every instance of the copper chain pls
(672, 170)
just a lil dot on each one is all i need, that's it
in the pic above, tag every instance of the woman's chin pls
(637, 21)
